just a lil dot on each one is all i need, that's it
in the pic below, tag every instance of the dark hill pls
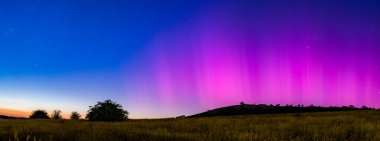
(10, 117)
(245, 109)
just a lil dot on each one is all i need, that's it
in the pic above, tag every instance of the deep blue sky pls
(53, 37)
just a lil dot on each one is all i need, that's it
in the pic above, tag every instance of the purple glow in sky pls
(228, 54)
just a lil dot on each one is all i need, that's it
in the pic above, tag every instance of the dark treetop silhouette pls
(39, 114)
(107, 111)
(75, 116)
(57, 114)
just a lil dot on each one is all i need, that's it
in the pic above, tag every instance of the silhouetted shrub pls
(182, 116)
(75, 115)
(39, 114)
(107, 111)
(56, 114)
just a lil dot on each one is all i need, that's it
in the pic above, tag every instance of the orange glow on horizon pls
(14, 113)
(18, 113)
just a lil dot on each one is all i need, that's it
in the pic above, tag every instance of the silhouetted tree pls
(39, 114)
(56, 114)
(182, 116)
(75, 115)
(107, 111)
(365, 108)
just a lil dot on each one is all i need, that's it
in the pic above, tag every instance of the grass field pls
(326, 126)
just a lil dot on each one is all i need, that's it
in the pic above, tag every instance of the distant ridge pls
(245, 109)
(10, 117)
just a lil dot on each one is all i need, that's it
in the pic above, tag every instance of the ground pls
(352, 125)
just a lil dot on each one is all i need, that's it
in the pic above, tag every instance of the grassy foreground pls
(352, 125)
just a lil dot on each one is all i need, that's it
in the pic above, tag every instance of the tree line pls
(102, 111)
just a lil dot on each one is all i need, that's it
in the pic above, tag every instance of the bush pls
(39, 114)
(56, 114)
(75, 115)
(107, 111)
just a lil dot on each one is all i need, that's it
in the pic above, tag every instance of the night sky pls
(164, 58)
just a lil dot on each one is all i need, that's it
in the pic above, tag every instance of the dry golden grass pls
(326, 126)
